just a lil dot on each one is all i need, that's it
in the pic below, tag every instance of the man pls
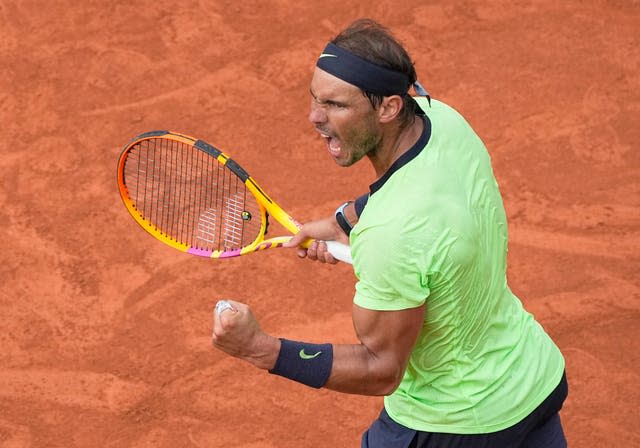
(443, 338)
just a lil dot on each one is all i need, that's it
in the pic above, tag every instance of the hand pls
(321, 230)
(237, 333)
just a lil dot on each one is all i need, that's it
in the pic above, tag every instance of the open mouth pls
(333, 144)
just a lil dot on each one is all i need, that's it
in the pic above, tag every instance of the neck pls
(395, 142)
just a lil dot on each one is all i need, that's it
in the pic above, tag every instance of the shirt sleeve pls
(390, 269)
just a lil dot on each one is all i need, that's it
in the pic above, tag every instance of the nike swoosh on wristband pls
(303, 355)
(327, 55)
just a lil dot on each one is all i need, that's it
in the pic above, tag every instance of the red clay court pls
(105, 331)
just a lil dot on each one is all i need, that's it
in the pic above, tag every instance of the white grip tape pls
(339, 251)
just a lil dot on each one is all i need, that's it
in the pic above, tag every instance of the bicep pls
(389, 334)
(377, 364)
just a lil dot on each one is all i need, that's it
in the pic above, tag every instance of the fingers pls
(225, 313)
(235, 330)
(222, 335)
(318, 252)
(298, 239)
(302, 253)
(319, 230)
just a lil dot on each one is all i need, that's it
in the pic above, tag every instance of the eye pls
(326, 104)
(336, 105)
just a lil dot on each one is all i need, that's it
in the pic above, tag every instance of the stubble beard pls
(364, 142)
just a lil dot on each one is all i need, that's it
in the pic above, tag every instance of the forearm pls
(373, 367)
(264, 353)
(356, 370)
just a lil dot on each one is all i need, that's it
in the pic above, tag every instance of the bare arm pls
(373, 367)
(377, 364)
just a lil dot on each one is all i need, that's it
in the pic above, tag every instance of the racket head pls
(193, 197)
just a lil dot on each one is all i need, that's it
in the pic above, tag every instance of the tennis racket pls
(194, 198)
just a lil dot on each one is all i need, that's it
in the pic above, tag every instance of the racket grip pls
(339, 251)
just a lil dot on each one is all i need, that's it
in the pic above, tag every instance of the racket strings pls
(233, 224)
(187, 195)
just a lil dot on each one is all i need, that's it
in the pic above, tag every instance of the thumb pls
(224, 312)
(296, 240)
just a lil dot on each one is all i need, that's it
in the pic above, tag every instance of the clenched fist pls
(237, 333)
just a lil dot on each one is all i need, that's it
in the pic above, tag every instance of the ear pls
(390, 108)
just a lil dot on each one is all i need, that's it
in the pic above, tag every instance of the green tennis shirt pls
(434, 230)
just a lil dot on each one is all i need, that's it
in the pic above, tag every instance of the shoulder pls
(390, 268)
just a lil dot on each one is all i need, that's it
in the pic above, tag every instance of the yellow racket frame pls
(266, 204)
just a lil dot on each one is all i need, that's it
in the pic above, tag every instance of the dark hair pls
(371, 41)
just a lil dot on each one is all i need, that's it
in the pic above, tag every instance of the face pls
(344, 117)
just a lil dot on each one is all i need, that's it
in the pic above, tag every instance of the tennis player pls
(442, 337)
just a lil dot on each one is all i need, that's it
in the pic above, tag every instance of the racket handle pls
(339, 251)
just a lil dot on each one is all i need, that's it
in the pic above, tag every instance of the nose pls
(317, 114)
